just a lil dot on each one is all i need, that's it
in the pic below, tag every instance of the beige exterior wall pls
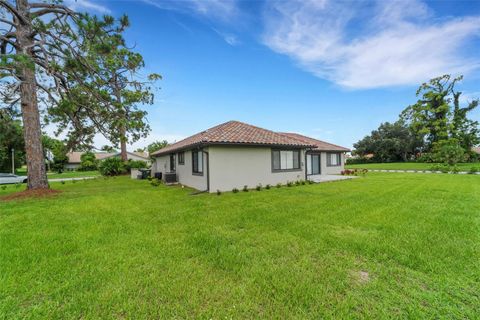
(235, 167)
(184, 172)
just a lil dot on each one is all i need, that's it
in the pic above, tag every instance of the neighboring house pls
(74, 158)
(235, 154)
(476, 150)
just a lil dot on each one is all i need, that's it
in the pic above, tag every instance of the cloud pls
(229, 38)
(218, 9)
(364, 45)
(87, 5)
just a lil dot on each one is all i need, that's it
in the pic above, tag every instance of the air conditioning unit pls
(170, 177)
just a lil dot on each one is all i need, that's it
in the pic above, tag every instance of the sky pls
(333, 70)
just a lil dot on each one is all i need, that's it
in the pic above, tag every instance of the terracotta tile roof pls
(319, 144)
(234, 132)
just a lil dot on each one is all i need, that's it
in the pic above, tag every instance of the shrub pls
(135, 164)
(445, 168)
(155, 182)
(88, 162)
(279, 185)
(234, 190)
(268, 187)
(289, 183)
(258, 187)
(303, 182)
(62, 182)
(112, 167)
(245, 188)
(4, 187)
(219, 192)
(310, 182)
(473, 170)
(298, 182)
(435, 167)
(455, 169)
(448, 151)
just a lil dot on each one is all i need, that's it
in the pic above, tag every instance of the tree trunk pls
(37, 176)
(123, 130)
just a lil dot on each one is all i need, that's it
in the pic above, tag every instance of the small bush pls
(298, 182)
(268, 187)
(445, 169)
(112, 167)
(310, 182)
(155, 182)
(4, 187)
(455, 169)
(303, 182)
(258, 187)
(245, 188)
(279, 185)
(289, 183)
(135, 164)
(62, 182)
(219, 192)
(435, 167)
(234, 190)
(473, 170)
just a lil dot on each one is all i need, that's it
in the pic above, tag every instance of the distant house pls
(235, 154)
(476, 150)
(75, 157)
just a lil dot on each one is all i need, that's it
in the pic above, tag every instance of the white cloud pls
(87, 5)
(219, 9)
(371, 44)
(229, 38)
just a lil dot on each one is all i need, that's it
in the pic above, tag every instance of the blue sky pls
(329, 69)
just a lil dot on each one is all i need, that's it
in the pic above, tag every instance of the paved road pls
(69, 179)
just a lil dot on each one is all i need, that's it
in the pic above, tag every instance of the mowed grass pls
(72, 174)
(410, 166)
(383, 246)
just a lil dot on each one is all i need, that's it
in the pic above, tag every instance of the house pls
(74, 158)
(235, 154)
(476, 150)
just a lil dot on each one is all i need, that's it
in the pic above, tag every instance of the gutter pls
(208, 170)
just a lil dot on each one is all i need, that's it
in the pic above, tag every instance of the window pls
(285, 160)
(197, 162)
(334, 159)
(181, 158)
(172, 163)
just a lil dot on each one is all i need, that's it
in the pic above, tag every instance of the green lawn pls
(409, 166)
(66, 174)
(73, 174)
(383, 246)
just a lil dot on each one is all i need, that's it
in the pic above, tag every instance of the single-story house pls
(235, 154)
(74, 158)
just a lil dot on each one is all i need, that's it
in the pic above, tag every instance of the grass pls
(383, 246)
(409, 166)
(73, 174)
(66, 174)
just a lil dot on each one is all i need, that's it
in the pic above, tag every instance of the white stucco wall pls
(184, 172)
(235, 167)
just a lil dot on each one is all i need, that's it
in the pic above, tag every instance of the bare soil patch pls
(30, 194)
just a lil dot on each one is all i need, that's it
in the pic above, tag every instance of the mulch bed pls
(30, 194)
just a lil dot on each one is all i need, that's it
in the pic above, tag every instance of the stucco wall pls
(332, 170)
(235, 167)
(184, 172)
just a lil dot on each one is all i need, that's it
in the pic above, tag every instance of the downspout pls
(208, 171)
